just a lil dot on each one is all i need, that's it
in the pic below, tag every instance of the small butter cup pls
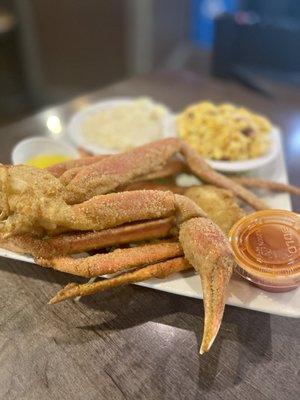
(34, 146)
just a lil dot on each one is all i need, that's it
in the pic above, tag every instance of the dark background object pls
(66, 47)
(273, 9)
(262, 39)
(12, 81)
(56, 50)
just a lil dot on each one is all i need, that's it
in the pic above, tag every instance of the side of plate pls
(240, 293)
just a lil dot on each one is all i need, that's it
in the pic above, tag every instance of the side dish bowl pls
(38, 145)
(75, 127)
(236, 166)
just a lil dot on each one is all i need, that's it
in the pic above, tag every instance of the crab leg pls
(45, 211)
(116, 170)
(119, 169)
(66, 174)
(201, 169)
(58, 169)
(265, 184)
(84, 153)
(33, 201)
(148, 185)
(159, 270)
(110, 210)
(115, 261)
(115, 209)
(172, 168)
(80, 242)
(208, 250)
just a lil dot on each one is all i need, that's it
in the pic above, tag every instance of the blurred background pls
(52, 50)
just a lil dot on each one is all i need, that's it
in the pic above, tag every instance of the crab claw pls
(208, 250)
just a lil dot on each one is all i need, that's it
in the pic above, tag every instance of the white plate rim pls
(284, 304)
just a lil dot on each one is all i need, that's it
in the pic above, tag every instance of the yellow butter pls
(46, 160)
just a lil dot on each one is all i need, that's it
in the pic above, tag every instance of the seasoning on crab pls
(224, 132)
(42, 212)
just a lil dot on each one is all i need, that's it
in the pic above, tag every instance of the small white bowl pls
(237, 166)
(38, 145)
(74, 126)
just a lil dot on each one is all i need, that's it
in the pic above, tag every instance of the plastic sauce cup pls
(266, 246)
(38, 146)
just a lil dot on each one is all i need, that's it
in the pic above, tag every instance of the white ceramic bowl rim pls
(74, 125)
(247, 165)
(242, 165)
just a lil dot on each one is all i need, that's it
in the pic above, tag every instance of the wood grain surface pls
(137, 343)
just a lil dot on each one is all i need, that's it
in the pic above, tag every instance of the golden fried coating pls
(114, 261)
(118, 170)
(172, 168)
(203, 171)
(31, 200)
(219, 204)
(208, 251)
(249, 181)
(71, 243)
(58, 169)
(36, 202)
(160, 270)
(153, 185)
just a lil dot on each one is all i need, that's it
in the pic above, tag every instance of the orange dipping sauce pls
(266, 245)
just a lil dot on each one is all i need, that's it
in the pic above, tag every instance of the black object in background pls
(272, 9)
(248, 45)
(12, 84)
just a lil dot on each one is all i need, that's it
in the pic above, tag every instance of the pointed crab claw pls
(208, 250)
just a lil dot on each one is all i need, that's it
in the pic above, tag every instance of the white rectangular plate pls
(240, 293)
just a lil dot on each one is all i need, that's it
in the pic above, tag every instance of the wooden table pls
(136, 343)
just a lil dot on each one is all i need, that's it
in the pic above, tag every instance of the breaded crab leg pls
(71, 243)
(115, 261)
(150, 185)
(107, 175)
(119, 169)
(67, 170)
(203, 171)
(266, 184)
(160, 270)
(114, 209)
(33, 200)
(209, 252)
(207, 249)
(58, 169)
(171, 168)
